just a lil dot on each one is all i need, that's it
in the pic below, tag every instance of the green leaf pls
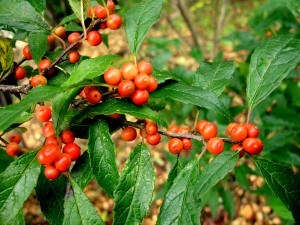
(133, 194)
(67, 19)
(103, 157)
(164, 75)
(18, 219)
(214, 76)
(173, 173)
(60, 105)
(216, 171)
(283, 182)
(16, 184)
(180, 205)
(5, 160)
(138, 20)
(78, 210)
(73, 27)
(82, 172)
(270, 63)
(228, 202)
(6, 55)
(90, 68)
(39, 5)
(51, 196)
(213, 202)
(21, 15)
(76, 7)
(37, 44)
(120, 106)
(192, 95)
(11, 113)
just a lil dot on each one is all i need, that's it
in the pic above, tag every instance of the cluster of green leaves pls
(63, 201)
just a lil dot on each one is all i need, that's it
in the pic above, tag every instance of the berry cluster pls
(51, 156)
(176, 145)
(13, 148)
(133, 81)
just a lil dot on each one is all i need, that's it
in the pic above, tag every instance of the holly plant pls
(77, 98)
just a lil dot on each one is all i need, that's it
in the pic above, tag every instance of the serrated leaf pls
(90, 68)
(120, 106)
(164, 75)
(228, 202)
(6, 55)
(103, 157)
(10, 114)
(60, 105)
(76, 7)
(39, 5)
(51, 197)
(216, 171)
(133, 194)
(283, 182)
(67, 19)
(192, 95)
(22, 174)
(213, 202)
(180, 205)
(5, 160)
(28, 19)
(214, 76)
(82, 172)
(173, 173)
(73, 27)
(18, 219)
(38, 45)
(138, 20)
(78, 210)
(270, 63)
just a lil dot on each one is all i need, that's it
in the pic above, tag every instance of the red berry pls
(114, 116)
(51, 172)
(209, 130)
(215, 145)
(142, 81)
(200, 125)
(20, 73)
(153, 139)
(72, 149)
(94, 38)
(252, 130)
(129, 71)
(128, 134)
(38, 80)
(86, 90)
(140, 97)
(51, 39)
(73, 56)
(187, 144)
(103, 25)
(175, 145)
(112, 76)
(91, 12)
(184, 130)
(114, 21)
(100, 12)
(41, 157)
(151, 128)
(173, 128)
(63, 163)
(126, 88)
(144, 67)
(12, 149)
(94, 97)
(26, 53)
(52, 153)
(239, 132)
(253, 146)
(229, 127)
(152, 84)
(15, 138)
(53, 140)
(60, 32)
(239, 148)
(110, 6)
(45, 63)
(67, 137)
(48, 129)
(73, 37)
(43, 113)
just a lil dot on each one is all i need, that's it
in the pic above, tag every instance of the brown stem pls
(202, 152)
(248, 117)
(185, 14)
(15, 89)
(3, 140)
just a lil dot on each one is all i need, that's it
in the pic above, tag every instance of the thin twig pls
(3, 140)
(15, 89)
(82, 20)
(248, 117)
(202, 152)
